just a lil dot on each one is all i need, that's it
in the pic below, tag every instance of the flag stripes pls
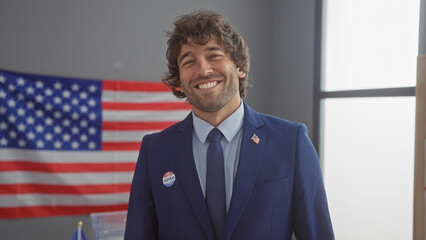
(65, 167)
(152, 115)
(114, 146)
(27, 200)
(64, 189)
(57, 210)
(145, 106)
(70, 179)
(135, 86)
(50, 156)
(136, 125)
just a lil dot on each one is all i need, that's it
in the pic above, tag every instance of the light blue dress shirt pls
(231, 144)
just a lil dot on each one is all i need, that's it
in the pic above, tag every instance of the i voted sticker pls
(169, 179)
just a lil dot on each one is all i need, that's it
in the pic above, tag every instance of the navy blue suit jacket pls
(278, 188)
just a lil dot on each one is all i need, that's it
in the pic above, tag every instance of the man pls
(260, 179)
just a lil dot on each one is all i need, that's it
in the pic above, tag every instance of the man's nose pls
(204, 67)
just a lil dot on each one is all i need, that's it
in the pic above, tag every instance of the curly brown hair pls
(201, 26)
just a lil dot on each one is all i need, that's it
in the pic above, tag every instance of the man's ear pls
(240, 74)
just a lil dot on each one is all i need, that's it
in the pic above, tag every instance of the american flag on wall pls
(69, 146)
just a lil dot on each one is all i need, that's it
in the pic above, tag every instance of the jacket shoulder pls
(169, 131)
(276, 124)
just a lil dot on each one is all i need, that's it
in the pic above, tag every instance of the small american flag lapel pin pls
(255, 138)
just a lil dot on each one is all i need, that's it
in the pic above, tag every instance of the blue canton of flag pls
(49, 113)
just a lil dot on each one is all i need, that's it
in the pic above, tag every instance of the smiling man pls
(209, 79)
(225, 172)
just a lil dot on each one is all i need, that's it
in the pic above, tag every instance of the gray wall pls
(422, 28)
(126, 40)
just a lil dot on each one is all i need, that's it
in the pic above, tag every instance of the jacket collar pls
(251, 157)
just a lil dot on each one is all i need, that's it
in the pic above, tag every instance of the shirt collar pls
(229, 127)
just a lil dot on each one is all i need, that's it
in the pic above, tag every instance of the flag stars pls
(48, 92)
(3, 141)
(29, 90)
(39, 98)
(66, 137)
(48, 107)
(21, 112)
(83, 123)
(66, 94)
(11, 87)
(48, 136)
(66, 123)
(2, 94)
(92, 131)
(57, 144)
(30, 120)
(21, 81)
(57, 86)
(92, 88)
(11, 103)
(92, 103)
(22, 143)
(39, 113)
(57, 115)
(31, 135)
(92, 116)
(74, 101)
(57, 100)
(75, 130)
(3, 126)
(57, 129)
(75, 116)
(83, 138)
(12, 134)
(30, 105)
(21, 127)
(12, 119)
(84, 109)
(83, 95)
(92, 145)
(39, 84)
(66, 108)
(75, 145)
(21, 97)
(75, 87)
(40, 144)
(48, 121)
(39, 128)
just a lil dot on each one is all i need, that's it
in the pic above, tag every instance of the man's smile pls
(207, 85)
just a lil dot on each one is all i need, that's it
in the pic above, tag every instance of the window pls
(366, 115)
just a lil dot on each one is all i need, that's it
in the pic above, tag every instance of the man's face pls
(209, 78)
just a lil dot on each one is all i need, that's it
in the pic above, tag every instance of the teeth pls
(207, 85)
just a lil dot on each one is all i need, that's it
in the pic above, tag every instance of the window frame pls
(320, 95)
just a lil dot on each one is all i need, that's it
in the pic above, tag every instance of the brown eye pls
(186, 63)
(215, 56)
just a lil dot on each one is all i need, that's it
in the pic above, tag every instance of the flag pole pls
(80, 224)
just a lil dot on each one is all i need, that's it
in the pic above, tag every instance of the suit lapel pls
(250, 160)
(188, 175)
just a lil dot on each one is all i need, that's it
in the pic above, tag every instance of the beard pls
(214, 101)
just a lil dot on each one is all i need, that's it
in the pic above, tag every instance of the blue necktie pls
(215, 186)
